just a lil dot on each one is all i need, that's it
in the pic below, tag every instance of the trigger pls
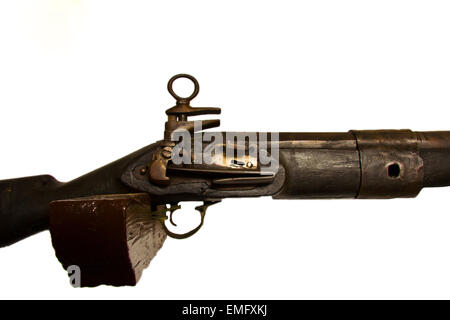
(172, 209)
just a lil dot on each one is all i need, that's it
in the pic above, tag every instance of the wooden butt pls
(111, 239)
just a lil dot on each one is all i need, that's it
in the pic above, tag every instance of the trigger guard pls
(201, 209)
(181, 235)
(187, 234)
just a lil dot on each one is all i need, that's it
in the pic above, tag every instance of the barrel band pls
(391, 166)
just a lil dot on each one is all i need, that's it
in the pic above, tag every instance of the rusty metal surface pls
(391, 166)
(319, 165)
(434, 149)
(193, 186)
(112, 238)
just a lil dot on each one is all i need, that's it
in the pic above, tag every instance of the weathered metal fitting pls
(177, 119)
(391, 166)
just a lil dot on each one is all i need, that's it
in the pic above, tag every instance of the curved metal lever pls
(178, 119)
(183, 109)
(161, 216)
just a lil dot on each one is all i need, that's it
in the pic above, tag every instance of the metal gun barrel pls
(372, 164)
(434, 149)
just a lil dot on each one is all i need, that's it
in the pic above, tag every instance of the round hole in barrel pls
(394, 170)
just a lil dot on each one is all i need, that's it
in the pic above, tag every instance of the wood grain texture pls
(112, 238)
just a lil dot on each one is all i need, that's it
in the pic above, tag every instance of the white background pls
(83, 83)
